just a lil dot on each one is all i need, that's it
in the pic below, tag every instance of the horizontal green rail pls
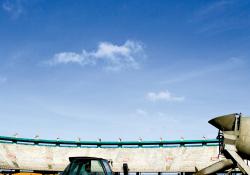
(65, 143)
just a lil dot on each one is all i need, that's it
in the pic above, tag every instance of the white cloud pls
(13, 7)
(71, 57)
(163, 96)
(114, 57)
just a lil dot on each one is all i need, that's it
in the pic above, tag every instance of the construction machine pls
(234, 137)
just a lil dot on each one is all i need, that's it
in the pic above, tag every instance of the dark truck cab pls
(87, 166)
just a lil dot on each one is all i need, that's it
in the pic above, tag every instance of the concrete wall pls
(178, 159)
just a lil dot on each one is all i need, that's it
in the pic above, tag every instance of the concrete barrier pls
(161, 159)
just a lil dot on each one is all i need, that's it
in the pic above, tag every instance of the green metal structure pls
(107, 144)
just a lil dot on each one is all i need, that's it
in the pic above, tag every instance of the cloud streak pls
(13, 7)
(113, 57)
(228, 65)
(221, 16)
(3, 80)
(141, 112)
(163, 96)
(216, 7)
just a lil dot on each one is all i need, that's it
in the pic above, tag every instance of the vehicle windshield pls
(107, 167)
(86, 167)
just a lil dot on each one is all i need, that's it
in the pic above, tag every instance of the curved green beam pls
(162, 143)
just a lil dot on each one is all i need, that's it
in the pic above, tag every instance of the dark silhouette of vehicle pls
(87, 166)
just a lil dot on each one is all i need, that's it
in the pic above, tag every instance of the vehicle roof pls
(85, 158)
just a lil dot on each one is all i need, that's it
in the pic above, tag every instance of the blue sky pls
(108, 69)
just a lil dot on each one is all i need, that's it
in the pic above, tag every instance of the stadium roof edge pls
(58, 142)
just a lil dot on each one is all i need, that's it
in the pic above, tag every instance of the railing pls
(111, 144)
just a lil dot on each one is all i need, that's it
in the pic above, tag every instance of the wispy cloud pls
(220, 16)
(3, 80)
(163, 96)
(227, 65)
(215, 7)
(141, 112)
(114, 57)
(157, 115)
(13, 7)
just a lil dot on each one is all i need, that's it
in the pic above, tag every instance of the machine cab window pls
(87, 166)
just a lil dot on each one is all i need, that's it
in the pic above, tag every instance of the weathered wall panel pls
(178, 159)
